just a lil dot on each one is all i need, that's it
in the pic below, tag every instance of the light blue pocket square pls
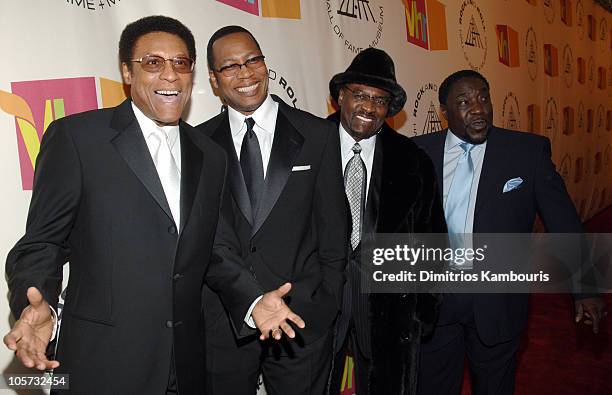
(512, 184)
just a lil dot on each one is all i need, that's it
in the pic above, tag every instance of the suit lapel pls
(191, 168)
(495, 157)
(437, 157)
(131, 145)
(285, 148)
(223, 137)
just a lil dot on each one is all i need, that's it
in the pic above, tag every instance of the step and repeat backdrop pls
(549, 63)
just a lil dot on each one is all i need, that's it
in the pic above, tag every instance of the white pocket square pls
(300, 168)
(512, 184)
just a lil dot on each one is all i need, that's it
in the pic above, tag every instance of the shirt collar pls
(452, 143)
(148, 126)
(263, 116)
(347, 141)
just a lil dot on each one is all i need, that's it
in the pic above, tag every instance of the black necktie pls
(252, 165)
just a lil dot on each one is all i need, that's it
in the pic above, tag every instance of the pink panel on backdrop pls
(77, 94)
(250, 6)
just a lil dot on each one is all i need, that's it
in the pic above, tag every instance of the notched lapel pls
(191, 169)
(223, 136)
(285, 148)
(494, 159)
(132, 147)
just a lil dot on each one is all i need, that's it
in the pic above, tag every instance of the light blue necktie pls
(457, 204)
(458, 199)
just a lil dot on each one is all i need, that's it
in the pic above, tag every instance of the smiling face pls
(469, 110)
(248, 89)
(162, 95)
(362, 118)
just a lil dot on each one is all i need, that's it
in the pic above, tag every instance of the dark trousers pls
(492, 367)
(361, 364)
(287, 366)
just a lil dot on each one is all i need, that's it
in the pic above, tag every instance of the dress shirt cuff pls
(248, 319)
(55, 324)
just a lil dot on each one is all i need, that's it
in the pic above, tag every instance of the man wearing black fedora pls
(391, 188)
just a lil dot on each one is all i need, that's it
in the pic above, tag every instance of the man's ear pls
(340, 97)
(443, 110)
(213, 79)
(126, 73)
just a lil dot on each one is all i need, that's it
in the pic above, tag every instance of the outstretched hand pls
(31, 334)
(592, 310)
(271, 315)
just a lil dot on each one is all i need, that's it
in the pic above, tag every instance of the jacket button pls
(173, 324)
(253, 249)
(177, 276)
(172, 229)
(405, 336)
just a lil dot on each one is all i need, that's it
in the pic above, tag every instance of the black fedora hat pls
(375, 68)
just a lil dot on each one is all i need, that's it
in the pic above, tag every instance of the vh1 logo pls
(508, 45)
(426, 24)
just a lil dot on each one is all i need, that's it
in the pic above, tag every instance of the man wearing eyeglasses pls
(391, 188)
(131, 196)
(291, 219)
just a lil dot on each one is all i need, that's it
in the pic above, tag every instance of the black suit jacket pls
(135, 279)
(509, 154)
(299, 233)
(402, 198)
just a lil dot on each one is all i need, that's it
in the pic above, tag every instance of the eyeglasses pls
(360, 97)
(232, 69)
(154, 63)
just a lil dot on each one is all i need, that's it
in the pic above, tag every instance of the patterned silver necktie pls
(354, 185)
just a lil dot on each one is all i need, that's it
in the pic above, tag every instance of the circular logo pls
(591, 74)
(511, 114)
(568, 66)
(472, 34)
(281, 86)
(531, 53)
(600, 123)
(581, 118)
(426, 112)
(358, 24)
(580, 19)
(566, 168)
(603, 34)
(93, 5)
(551, 121)
(549, 10)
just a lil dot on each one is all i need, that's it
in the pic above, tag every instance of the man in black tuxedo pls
(131, 196)
(509, 178)
(391, 188)
(291, 219)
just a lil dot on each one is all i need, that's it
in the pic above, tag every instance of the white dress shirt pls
(452, 152)
(367, 152)
(265, 124)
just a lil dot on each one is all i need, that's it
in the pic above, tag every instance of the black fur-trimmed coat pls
(403, 197)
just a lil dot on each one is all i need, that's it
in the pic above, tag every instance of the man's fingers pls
(579, 312)
(283, 290)
(12, 338)
(297, 320)
(34, 297)
(285, 327)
